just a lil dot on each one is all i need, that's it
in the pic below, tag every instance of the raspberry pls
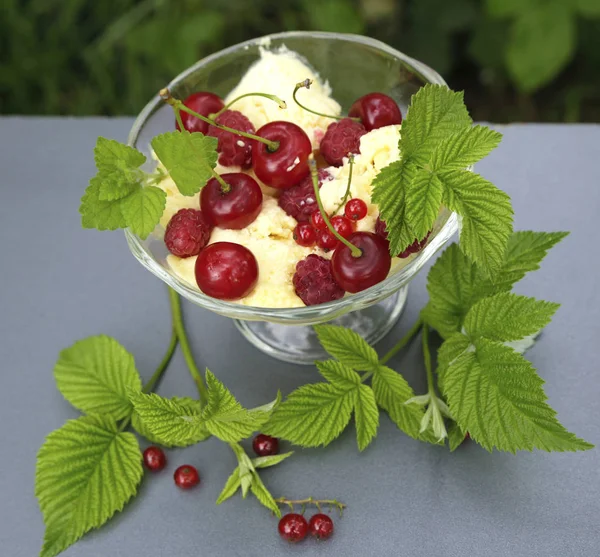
(299, 201)
(415, 247)
(234, 150)
(341, 139)
(187, 233)
(314, 282)
(380, 229)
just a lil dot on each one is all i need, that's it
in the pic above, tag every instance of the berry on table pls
(356, 209)
(317, 221)
(265, 445)
(299, 200)
(203, 103)
(287, 165)
(235, 208)
(305, 235)
(293, 527)
(341, 139)
(376, 110)
(226, 271)
(355, 274)
(313, 281)
(154, 459)
(320, 526)
(187, 233)
(186, 477)
(233, 149)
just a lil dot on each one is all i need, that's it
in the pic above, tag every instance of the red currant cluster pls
(293, 527)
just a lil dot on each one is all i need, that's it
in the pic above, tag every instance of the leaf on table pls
(456, 436)
(348, 347)
(231, 486)
(338, 374)
(366, 416)
(263, 495)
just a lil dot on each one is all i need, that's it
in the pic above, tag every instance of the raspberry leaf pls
(95, 375)
(263, 495)
(143, 208)
(456, 436)
(423, 201)
(338, 374)
(366, 416)
(271, 460)
(188, 157)
(348, 347)
(231, 486)
(86, 471)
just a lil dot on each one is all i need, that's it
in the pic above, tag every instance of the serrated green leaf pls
(486, 213)
(338, 374)
(423, 202)
(231, 486)
(313, 415)
(138, 425)
(496, 395)
(86, 471)
(188, 157)
(95, 374)
(271, 460)
(435, 112)
(348, 347)
(366, 416)
(463, 149)
(99, 214)
(175, 422)
(263, 495)
(507, 317)
(143, 208)
(456, 436)
(451, 349)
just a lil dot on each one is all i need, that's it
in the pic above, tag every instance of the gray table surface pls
(61, 283)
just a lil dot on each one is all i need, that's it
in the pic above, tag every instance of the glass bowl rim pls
(337, 307)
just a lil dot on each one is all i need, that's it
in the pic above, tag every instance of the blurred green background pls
(517, 60)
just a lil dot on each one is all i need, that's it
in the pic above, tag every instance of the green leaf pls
(95, 374)
(496, 395)
(456, 436)
(506, 317)
(99, 214)
(338, 374)
(86, 471)
(463, 149)
(451, 349)
(271, 460)
(589, 8)
(504, 8)
(313, 415)
(486, 216)
(423, 201)
(348, 347)
(541, 44)
(143, 208)
(435, 113)
(263, 495)
(175, 422)
(188, 157)
(231, 486)
(366, 416)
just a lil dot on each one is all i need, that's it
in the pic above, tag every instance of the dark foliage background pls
(518, 60)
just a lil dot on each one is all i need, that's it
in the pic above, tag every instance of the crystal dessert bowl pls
(353, 65)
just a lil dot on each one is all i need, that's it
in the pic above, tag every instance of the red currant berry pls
(356, 209)
(187, 233)
(265, 445)
(376, 110)
(342, 225)
(203, 103)
(226, 271)
(305, 235)
(235, 208)
(355, 274)
(299, 201)
(326, 240)
(155, 459)
(340, 140)
(321, 526)
(186, 477)
(293, 527)
(313, 281)
(288, 164)
(233, 149)
(317, 221)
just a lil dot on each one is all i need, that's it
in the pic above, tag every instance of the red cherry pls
(376, 110)
(155, 459)
(293, 527)
(305, 235)
(236, 208)
(203, 103)
(321, 526)
(186, 477)
(356, 209)
(317, 221)
(265, 445)
(342, 225)
(326, 240)
(287, 165)
(226, 271)
(355, 274)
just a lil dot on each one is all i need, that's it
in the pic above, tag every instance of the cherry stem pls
(166, 96)
(306, 84)
(347, 194)
(356, 252)
(402, 342)
(282, 104)
(311, 501)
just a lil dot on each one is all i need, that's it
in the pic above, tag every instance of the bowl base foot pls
(299, 344)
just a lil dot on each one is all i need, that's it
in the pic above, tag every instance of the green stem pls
(427, 360)
(347, 194)
(366, 376)
(356, 252)
(306, 84)
(402, 342)
(185, 345)
(282, 104)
